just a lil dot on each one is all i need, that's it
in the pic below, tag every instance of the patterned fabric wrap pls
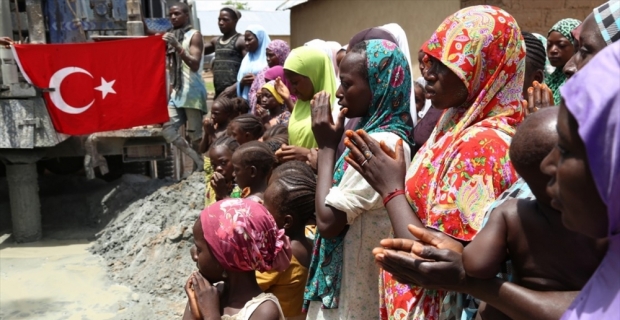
(243, 236)
(564, 27)
(464, 165)
(558, 78)
(607, 17)
(390, 83)
(281, 49)
(253, 62)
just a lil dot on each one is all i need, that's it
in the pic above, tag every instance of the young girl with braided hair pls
(290, 199)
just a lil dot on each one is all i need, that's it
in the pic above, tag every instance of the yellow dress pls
(287, 286)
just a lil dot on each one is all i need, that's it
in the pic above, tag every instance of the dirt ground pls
(107, 251)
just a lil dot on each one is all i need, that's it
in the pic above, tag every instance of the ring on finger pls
(364, 163)
(367, 154)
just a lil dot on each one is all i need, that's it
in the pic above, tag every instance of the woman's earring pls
(224, 274)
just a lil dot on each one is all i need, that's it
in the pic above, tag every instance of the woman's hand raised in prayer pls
(433, 262)
(282, 90)
(382, 168)
(327, 132)
(538, 96)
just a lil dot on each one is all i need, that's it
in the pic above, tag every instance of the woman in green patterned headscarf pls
(560, 48)
(351, 217)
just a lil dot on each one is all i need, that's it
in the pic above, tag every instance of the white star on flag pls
(106, 87)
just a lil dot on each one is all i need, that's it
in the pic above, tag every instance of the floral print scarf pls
(464, 165)
(390, 82)
(243, 236)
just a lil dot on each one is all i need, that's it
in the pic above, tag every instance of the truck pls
(28, 142)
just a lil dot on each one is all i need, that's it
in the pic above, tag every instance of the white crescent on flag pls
(56, 97)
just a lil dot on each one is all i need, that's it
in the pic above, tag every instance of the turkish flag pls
(99, 86)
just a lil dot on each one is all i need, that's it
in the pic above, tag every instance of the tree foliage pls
(237, 4)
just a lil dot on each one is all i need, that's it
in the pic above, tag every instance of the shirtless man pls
(229, 52)
(525, 231)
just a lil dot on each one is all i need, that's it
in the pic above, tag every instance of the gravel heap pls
(146, 245)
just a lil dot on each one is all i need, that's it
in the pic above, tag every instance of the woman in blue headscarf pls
(351, 217)
(256, 41)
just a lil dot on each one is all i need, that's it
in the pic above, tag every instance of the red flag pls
(100, 86)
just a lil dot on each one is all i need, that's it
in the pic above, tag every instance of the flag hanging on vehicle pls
(100, 86)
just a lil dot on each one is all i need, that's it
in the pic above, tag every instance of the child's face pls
(420, 99)
(268, 101)
(221, 161)
(218, 114)
(236, 133)
(208, 266)
(244, 175)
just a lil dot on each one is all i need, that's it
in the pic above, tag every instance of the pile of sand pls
(146, 245)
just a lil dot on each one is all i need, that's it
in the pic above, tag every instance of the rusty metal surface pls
(25, 124)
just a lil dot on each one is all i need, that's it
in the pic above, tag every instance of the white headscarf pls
(331, 49)
(427, 102)
(401, 39)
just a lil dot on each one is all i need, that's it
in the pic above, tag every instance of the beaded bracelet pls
(392, 195)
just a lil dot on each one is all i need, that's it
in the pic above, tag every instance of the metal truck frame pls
(27, 135)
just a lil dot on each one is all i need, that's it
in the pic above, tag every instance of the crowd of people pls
(340, 187)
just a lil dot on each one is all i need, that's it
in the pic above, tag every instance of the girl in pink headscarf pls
(233, 239)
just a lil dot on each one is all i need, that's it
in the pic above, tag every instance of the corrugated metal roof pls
(290, 3)
(275, 22)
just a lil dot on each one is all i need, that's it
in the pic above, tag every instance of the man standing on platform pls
(229, 52)
(188, 100)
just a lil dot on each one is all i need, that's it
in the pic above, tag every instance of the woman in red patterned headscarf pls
(475, 65)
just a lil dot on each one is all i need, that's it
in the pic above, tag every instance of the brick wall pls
(540, 15)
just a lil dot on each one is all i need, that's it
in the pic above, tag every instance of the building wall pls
(540, 15)
(339, 20)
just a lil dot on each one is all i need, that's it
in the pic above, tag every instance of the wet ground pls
(56, 279)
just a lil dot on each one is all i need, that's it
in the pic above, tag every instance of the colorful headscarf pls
(253, 62)
(274, 72)
(402, 42)
(597, 111)
(464, 165)
(271, 87)
(389, 78)
(243, 236)
(281, 49)
(558, 78)
(607, 17)
(564, 27)
(316, 65)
